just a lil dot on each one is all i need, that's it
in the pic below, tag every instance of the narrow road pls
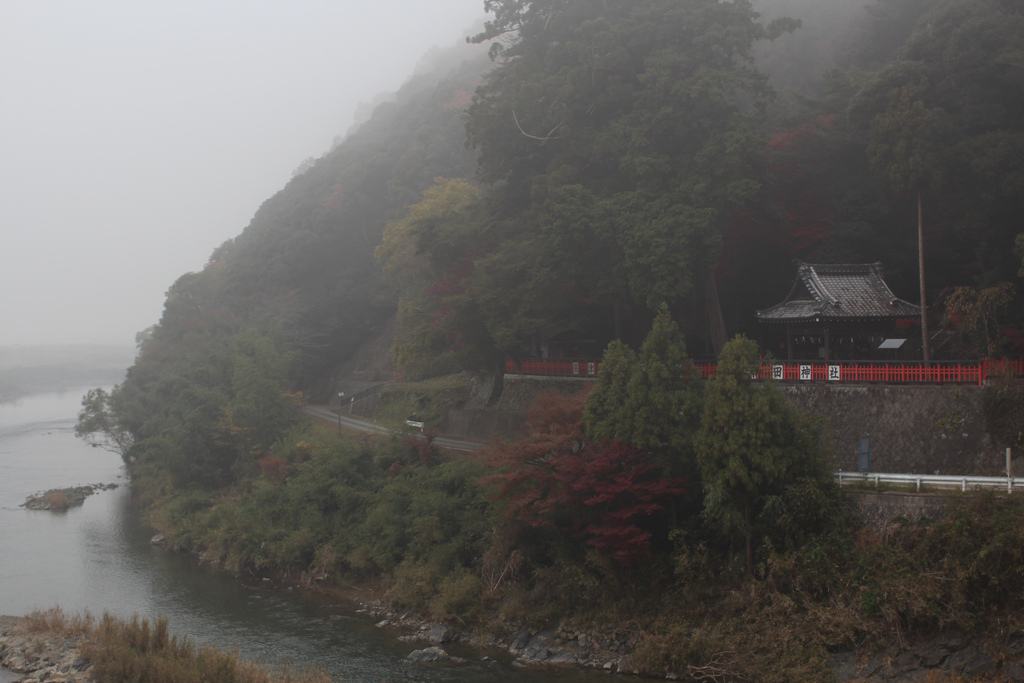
(328, 414)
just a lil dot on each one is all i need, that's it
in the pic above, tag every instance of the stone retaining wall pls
(520, 392)
(878, 508)
(482, 425)
(914, 429)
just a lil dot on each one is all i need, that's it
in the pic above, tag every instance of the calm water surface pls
(97, 558)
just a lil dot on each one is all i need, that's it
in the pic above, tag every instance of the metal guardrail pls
(939, 481)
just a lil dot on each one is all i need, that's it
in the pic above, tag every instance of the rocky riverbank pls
(952, 655)
(62, 499)
(53, 656)
(945, 657)
(607, 647)
(39, 656)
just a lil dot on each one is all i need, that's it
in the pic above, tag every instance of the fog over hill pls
(27, 370)
(138, 137)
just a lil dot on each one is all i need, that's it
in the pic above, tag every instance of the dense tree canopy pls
(627, 159)
(948, 116)
(614, 137)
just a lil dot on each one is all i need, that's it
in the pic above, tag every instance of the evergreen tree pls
(664, 398)
(750, 445)
(651, 402)
(605, 415)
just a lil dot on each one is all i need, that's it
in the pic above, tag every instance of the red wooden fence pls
(889, 372)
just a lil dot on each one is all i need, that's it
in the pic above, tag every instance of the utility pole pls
(920, 268)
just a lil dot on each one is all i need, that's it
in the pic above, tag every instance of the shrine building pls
(840, 312)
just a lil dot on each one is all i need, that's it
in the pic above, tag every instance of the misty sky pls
(139, 136)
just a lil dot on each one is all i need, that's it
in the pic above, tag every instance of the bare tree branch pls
(535, 137)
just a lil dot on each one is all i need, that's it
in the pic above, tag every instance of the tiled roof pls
(839, 291)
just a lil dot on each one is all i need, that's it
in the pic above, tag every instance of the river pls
(98, 558)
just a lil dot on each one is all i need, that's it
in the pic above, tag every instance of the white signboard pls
(834, 373)
(805, 372)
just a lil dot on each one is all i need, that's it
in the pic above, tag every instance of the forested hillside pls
(621, 156)
(635, 155)
(629, 179)
(304, 266)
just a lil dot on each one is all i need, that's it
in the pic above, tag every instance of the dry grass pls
(57, 500)
(56, 622)
(140, 650)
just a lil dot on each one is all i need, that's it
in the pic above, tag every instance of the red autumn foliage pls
(796, 193)
(459, 101)
(622, 486)
(334, 198)
(606, 488)
(453, 280)
(524, 470)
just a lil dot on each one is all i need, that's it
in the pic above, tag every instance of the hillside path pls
(329, 414)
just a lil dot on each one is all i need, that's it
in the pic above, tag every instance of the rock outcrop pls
(41, 656)
(62, 499)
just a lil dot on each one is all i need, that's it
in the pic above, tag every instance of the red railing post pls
(856, 371)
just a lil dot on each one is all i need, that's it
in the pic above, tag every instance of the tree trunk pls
(750, 546)
(498, 387)
(920, 268)
(713, 311)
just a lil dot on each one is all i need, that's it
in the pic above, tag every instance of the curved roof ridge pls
(817, 288)
(839, 291)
